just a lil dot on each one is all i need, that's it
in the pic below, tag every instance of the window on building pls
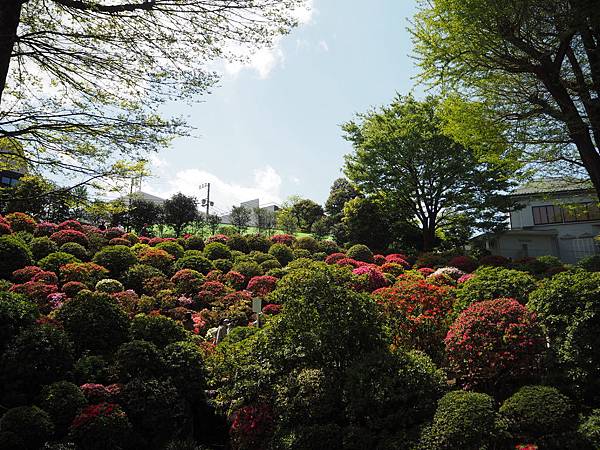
(547, 214)
(579, 212)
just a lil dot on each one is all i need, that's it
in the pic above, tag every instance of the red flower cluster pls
(464, 263)
(398, 258)
(4, 226)
(25, 274)
(89, 273)
(334, 258)
(379, 260)
(426, 271)
(35, 290)
(218, 238)
(492, 341)
(156, 257)
(113, 232)
(98, 393)
(349, 262)
(93, 412)
(262, 285)
(368, 279)
(45, 276)
(120, 241)
(271, 309)
(63, 236)
(251, 425)
(286, 239)
(19, 221)
(70, 225)
(494, 260)
(187, 281)
(234, 280)
(45, 229)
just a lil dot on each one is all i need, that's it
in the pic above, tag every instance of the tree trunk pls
(428, 238)
(10, 14)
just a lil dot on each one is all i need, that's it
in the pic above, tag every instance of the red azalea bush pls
(214, 275)
(368, 279)
(70, 225)
(144, 240)
(35, 290)
(45, 229)
(334, 258)
(393, 269)
(493, 342)
(218, 238)
(262, 285)
(494, 260)
(63, 236)
(426, 271)
(120, 241)
(5, 228)
(88, 273)
(251, 426)
(113, 232)
(187, 281)
(100, 426)
(19, 221)
(272, 309)
(156, 257)
(286, 239)
(235, 280)
(25, 274)
(465, 278)
(418, 313)
(349, 262)
(379, 260)
(45, 276)
(215, 288)
(464, 263)
(96, 393)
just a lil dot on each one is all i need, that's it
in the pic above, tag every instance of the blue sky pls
(271, 128)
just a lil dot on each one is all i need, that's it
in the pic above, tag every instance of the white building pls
(557, 218)
(252, 205)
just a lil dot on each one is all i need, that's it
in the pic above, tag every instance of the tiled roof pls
(553, 186)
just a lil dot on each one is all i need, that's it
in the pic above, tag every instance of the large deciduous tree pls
(402, 158)
(81, 81)
(534, 67)
(179, 211)
(306, 212)
(241, 218)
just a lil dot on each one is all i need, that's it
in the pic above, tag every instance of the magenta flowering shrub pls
(214, 288)
(35, 290)
(56, 300)
(466, 278)
(187, 281)
(100, 426)
(349, 262)
(368, 279)
(379, 260)
(426, 271)
(464, 263)
(70, 225)
(45, 229)
(494, 342)
(262, 285)
(494, 260)
(398, 258)
(5, 228)
(218, 238)
(334, 258)
(63, 236)
(286, 239)
(26, 273)
(250, 426)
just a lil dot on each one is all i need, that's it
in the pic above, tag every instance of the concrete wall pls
(521, 246)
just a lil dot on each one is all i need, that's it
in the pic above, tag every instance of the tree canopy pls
(532, 65)
(402, 157)
(81, 81)
(179, 211)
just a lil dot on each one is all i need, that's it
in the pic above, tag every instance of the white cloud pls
(294, 179)
(323, 46)
(225, 194)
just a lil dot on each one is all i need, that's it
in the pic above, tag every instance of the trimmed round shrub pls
(26, 274)
(590, 429)
(75, 249)
(248, 269)
(319, 256)
(72, 288)
(91, 369)
(217, 250)
(19, 221)
(224, 265)
(301, 253)
(261, 286)
(37, 356)
(63, 236)
(307, 243)
(335, 257)
(109, 286)
(35, 291)
(42, 247)
(62, 400)
(494, 261)
(328, 247)
(368, 279)
(100, 427)
(538, 412)
(113, 232)
(283, 253)
(88, 273)
(464, 263)
(239, 243)
(494, 282)
(154, 408)
(431, 260)
(286, 239)
(261, 257)
(194, 262)
(258, 243)
(156, 257)
(235, 280)
(360, 252)
(185, 367)
(568, 305)
(270, 264)
(14, 254)
(138, 274)
(194, 242)
(138, 359)
(70, 225)
(16, 313)
(173, 248)
(45, 229)
(132, 238)
(117, 259)
(120, 241)
(463, 420)
(187, 281)
(54, 261)
(493, 344)
(31, 424)
(590, 263)
(95, 322)
(160, 330)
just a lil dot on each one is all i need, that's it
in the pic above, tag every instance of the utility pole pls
(206, 201)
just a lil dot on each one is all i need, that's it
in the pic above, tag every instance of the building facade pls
(252, 206)
(553, 218)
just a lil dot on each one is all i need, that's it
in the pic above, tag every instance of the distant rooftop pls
(553, 186)
(143, 196)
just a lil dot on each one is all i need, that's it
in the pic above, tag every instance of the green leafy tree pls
(307, 212)
(265, 220)
(286, 221)
(320, 228)
(240, 218)
(364, 222)
(179, 211)
(402, 156)
(213, 222)
(341, 192)
(109, 65)
(532, 65)
(143, 212)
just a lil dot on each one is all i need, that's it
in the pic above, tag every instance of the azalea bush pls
(100, 426)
